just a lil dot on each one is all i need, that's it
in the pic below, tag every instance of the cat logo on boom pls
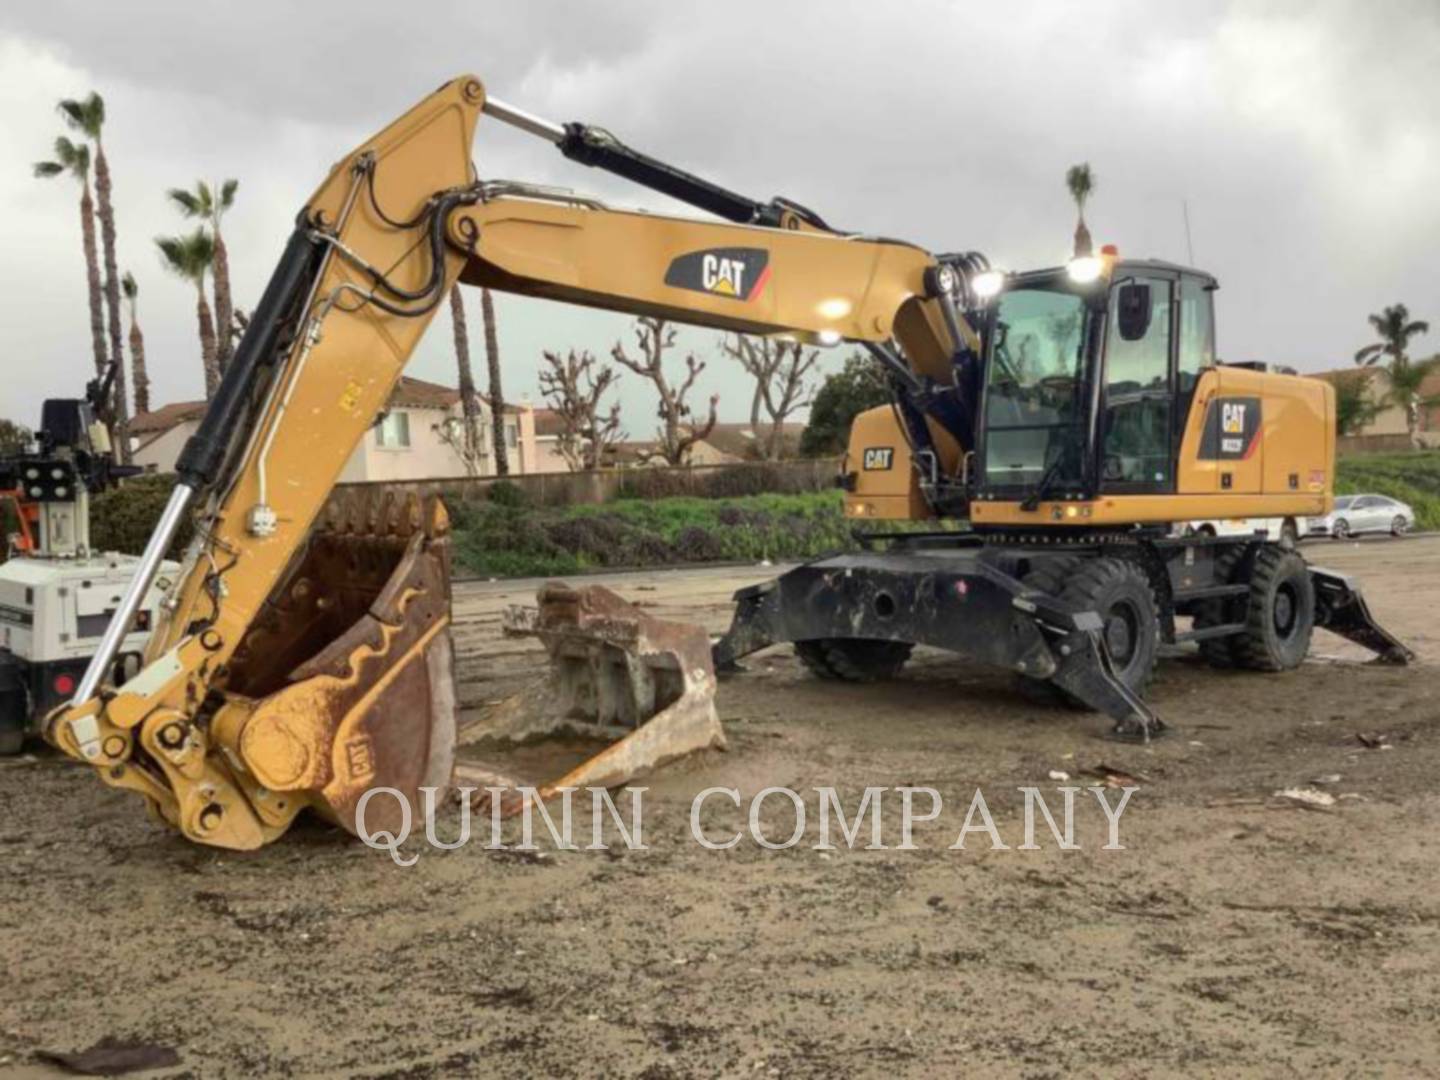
(735, 273)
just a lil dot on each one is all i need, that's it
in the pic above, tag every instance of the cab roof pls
(1131, 266)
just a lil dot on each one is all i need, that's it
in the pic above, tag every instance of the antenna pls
(1189, 244)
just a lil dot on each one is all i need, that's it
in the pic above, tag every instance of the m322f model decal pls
(878, 458)
(738, 273)
(1232, 429)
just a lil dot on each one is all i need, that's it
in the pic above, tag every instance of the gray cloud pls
(1305, 139)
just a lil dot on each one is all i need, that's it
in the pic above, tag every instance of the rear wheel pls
(853, 659)
(1280, 612)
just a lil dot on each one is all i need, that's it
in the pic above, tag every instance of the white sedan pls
(1363, 513)
(1282, 529)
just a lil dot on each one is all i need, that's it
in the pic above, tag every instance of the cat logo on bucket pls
(736, 273)
(878, 458)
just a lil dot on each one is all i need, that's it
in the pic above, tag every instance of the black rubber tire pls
(853, 659)
(1341, 529)
(1220, 652)
(1280, 613)
(1048, 576)
(1120, 591)
(12, 741)
(1399, 527)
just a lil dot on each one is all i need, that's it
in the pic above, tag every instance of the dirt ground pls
(1235, 934)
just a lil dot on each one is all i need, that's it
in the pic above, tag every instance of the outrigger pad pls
(1340, 608)
(617, 673)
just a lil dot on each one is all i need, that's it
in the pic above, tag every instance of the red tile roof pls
(419, 394)
(548, 422)
(409, 392)
(166, 417)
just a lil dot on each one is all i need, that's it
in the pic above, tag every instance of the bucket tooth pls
(616, 673)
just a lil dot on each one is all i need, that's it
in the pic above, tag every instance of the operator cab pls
(1089, 374)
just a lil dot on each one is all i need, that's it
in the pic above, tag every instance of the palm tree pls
(209, 206)
(88, 118)
(497, 395)
(469, 403)
(191, 257)
(137, 346)
(74, 159)
(1081, 182)
(1395, 328)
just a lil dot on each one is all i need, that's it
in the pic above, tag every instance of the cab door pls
(1138, 393)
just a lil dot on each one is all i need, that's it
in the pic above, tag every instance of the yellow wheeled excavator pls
(1092, 418)
(302, 656)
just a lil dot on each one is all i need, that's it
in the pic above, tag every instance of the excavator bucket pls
(345, 682)
(644, 684)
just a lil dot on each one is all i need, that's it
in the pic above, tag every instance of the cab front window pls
(1034, 402)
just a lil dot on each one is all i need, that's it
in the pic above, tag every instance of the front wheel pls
(1120, 592)
(1342, 529)
(1049, 576)
(1399, 527)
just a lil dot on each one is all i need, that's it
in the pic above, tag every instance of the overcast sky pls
(1305, 138)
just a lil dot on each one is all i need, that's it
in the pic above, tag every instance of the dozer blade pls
(345, 682)
(617, 673)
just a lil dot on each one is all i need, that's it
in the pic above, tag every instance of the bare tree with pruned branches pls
(574, 387)
(779, 369)
(678, 430)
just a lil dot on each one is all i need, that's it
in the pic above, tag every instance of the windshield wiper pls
(1031, 502)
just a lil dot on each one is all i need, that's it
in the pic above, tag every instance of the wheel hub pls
(1120, 634)
(1284, 613)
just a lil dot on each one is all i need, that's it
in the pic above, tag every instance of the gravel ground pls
(1235, 933)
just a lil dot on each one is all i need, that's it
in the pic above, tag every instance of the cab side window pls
(1136, 450)
(1197, 334)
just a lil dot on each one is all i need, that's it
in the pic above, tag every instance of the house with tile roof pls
(1390, 419)
(418, 437)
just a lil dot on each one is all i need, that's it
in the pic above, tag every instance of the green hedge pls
(123, 518)
(506, 539)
